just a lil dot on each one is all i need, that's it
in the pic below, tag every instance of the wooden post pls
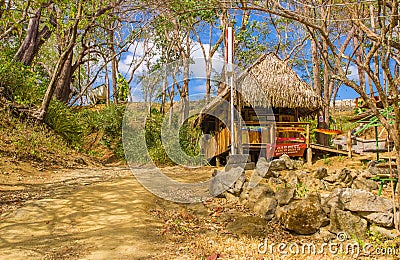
(239, 125)
(349, 151)
(272, 134)
(216, 137)
(309, 151)
(235, 137)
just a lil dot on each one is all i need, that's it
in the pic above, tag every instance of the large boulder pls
(350, 224)
(347, 176)
(276, 183)
(263, 169)
(332, 178)
(231, 198)
(290, 178)
(257, 193)
(284, 195)
(364, 204)
(244, 195)
(232, 180)
(364, 184)
(384, 219)
(236, 161)
(341, 178)
(290, 165)
(278, 165)
(332, 201)
(373, 170)
(302, 216)
(321, 173)
(303, 175)
(236, 188)
(363, 201)
(265, 207)
(314, 184)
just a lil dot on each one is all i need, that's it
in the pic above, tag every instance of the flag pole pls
(229, 61)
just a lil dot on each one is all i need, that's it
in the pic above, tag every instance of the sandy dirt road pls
(85, 214)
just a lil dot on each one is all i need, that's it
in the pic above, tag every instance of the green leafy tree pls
(123, 88)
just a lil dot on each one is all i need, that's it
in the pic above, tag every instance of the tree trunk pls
(185, 87)
(164, 91)
(107, 83)
(327, 93)
(359, 58)
(34, 39)
(185, 93)
(316, 64)
(40, 114)
(63, 85)
(208, 80)
(114, 67)
(171, 104)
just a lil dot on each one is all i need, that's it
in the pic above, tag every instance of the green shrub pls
(74, 124)
(26, 85)
(65, 122)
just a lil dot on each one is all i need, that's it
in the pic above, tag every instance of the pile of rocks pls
(304, 201)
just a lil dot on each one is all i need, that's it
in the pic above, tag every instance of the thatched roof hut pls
(281, 86)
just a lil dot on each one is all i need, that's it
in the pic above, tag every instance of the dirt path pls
(90, 214)
(106, 214)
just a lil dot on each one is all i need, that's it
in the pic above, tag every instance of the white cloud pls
(352, 73)
(197, 69)
(135, 54)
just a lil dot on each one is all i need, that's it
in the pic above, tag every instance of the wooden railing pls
(254, 133)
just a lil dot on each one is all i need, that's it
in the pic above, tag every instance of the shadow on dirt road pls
(90, 218)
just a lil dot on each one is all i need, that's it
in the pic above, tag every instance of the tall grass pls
(74, 125)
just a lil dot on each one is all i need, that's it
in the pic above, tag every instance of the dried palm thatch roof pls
(281, 85)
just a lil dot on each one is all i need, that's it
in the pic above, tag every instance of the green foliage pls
(375, 238)
(27, 86)
(301, 190)
(24, 139)
(327, 160)
(252, 42)
(188, 142)
(65, 122)
(153, 139)
(75, 126)
(358, 110)
(189, 139)
(313, 125)
(123, 88)
(107, 121)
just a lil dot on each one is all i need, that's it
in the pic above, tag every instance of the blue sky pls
(198, 68)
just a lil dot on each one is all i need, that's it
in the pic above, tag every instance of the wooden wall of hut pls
(217, 144)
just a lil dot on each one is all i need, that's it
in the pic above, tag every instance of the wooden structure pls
(269, 100)
(370, 136)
